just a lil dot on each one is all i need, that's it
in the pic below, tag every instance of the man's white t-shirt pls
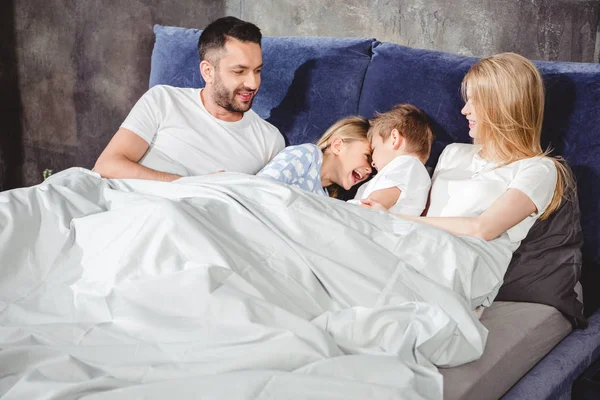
(185, 139)
(408, 174)
(465, 185)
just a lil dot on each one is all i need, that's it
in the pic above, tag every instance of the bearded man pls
(174, 132)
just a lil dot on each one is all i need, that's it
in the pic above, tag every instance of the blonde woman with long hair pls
(497, 187)
(340, 158)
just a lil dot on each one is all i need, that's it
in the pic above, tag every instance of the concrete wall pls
(71, 70)
(80, 65)
(11, 147)
(563, 30)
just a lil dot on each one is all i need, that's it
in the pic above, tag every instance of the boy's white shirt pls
(408, 174)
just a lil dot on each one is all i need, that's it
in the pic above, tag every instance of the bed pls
(520, 334)
(94, 324)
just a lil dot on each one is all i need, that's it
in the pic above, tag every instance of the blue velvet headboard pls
(308, 83)
(315, 80)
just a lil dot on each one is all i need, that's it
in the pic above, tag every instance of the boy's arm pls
(386, 197)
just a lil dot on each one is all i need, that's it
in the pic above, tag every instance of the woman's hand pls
(372, 204)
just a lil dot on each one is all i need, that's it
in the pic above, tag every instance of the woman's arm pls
(510, 209)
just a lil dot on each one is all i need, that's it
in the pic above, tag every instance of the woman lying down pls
(493, 189)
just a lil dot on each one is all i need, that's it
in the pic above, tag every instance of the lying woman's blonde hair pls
(507, 93)
(348, 129)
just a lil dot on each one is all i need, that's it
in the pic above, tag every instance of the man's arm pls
(120, 159)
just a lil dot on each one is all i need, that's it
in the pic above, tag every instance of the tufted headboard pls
(310, 82)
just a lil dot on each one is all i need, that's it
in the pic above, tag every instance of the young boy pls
(401, 140)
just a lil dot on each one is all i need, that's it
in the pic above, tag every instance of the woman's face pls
(354, 164)
(469, 112)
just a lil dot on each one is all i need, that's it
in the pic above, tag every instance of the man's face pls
(237, 76)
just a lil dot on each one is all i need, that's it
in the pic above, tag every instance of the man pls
(174, 132)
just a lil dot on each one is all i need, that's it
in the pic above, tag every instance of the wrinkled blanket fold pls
(229, 286)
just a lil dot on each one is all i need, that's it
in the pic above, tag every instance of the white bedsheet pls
(229, 286)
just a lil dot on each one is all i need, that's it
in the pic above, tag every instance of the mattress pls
(520, 334)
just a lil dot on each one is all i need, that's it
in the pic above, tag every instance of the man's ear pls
(207, 71)
(336, 145)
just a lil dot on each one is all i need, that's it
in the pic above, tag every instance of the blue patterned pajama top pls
(299, 166)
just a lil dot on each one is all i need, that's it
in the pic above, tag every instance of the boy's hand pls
(372, 204)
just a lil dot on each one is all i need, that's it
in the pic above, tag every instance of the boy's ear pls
(336, 145)
(397, 139)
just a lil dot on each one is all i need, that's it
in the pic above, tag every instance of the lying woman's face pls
(355, 163)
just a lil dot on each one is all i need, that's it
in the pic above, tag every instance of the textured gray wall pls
(81, 67)
(562, 30)
(11, 151)
(71, 70)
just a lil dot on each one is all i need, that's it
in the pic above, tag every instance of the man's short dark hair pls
(216, 34)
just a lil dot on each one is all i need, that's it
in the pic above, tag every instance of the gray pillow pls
(547, 265)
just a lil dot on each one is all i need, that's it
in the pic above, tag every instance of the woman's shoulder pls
(460, 148)
(545, 161)
(456, 153)
(540, 165)
(301, 150)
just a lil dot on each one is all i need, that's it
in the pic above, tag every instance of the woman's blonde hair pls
(348, 129)
(507, 93)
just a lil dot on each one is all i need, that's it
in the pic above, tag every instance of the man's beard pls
(227, 99)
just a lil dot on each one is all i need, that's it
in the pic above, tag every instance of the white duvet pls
(229, 286)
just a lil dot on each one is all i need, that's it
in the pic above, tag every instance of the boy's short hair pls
(411, 122)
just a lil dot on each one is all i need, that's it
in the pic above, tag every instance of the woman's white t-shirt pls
(465, 185)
